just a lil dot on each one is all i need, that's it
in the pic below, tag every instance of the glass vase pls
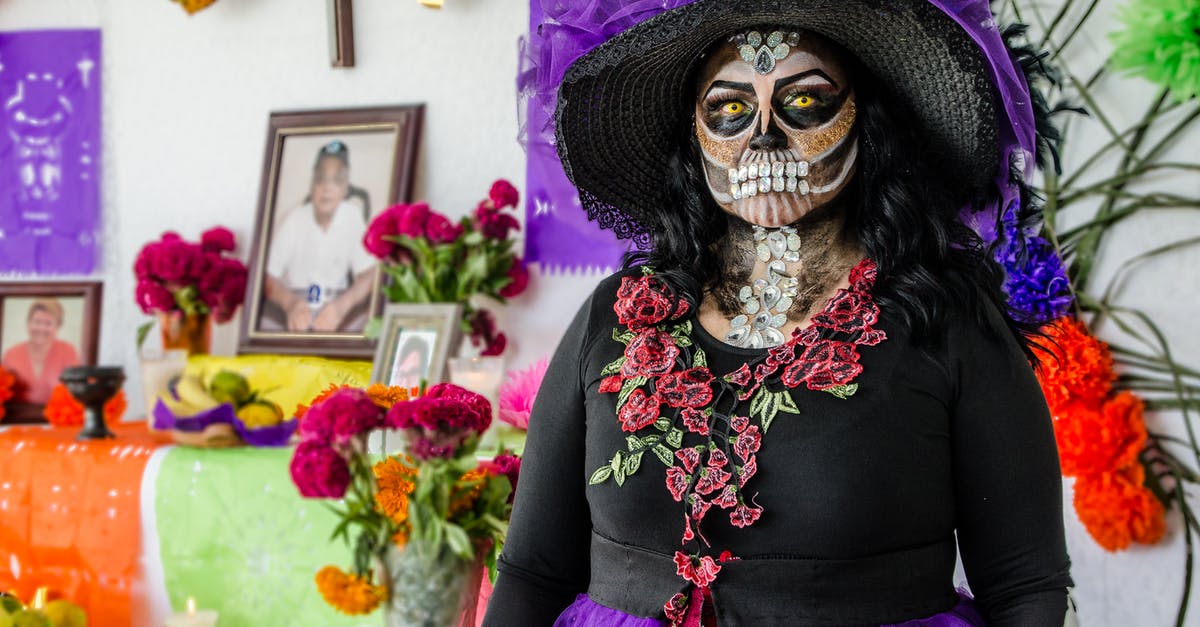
(431, 587)
(189, 332)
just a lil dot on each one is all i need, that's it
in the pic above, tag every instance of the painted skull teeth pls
(768, 177)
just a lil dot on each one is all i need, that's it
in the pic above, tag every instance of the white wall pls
(186, 105)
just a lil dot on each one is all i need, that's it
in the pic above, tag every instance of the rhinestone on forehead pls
(763, 51)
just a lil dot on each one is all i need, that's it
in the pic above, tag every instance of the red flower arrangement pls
(62, 410)
(431, 259)
(1100, 436)
(194, 278)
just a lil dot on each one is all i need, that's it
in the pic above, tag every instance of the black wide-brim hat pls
(621, 105)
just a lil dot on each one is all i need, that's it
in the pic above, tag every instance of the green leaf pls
(664, 455)
(760, 398)
(787, 403)
(615, 463)
(143, 330)
(633, 463)
(627, 388)
(601, 475)
(675, 438)
(662, 424)
(699, 359)
(632, 442)
(618, 466)
(650, 440)
(842, 391)
(683, 341)
(624, 338)
(614, 367)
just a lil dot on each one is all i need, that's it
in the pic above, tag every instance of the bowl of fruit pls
(40, 612)
(221, 411)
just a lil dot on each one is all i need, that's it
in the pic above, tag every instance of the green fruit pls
(10, 603)
(229, 387)
(30, 618)
(64, 613)
(5, 619)
(259, 414)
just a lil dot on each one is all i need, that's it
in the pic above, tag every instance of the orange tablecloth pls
(69, 515)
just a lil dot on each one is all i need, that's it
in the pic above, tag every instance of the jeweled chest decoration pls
(765, 302)
(707, 430)
(762, 51)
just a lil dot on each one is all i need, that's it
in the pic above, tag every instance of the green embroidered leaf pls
(647, 271)
(632, 442)
(787, 403)
(699, 359)
(618, 468)
(633, 463)
(780, 401)
(759, 401)
(675, 438)
(614, 367)
(624, 338)
(627, 388)
(664, 455)
(842, 391)
(649, 440)
(601, 475)
(662, 424)
(683, 341)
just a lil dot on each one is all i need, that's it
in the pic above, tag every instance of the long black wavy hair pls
(931, 267)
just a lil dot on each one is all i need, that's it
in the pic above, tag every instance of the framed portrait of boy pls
(326, 174)
(415, 342)
(44, 329)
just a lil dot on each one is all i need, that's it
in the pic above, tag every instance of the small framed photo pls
(326, 175)
(415, 342)
(44, 328)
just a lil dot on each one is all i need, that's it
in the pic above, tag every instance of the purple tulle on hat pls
(585, 612)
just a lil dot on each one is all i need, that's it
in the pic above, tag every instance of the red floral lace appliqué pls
(666, 390)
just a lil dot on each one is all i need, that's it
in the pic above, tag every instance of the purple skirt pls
(585, 612)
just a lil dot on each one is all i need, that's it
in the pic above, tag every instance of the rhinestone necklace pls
(766, 301)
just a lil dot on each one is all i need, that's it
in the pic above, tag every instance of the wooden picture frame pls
(429, 333)
(368, 158)
(78, 303)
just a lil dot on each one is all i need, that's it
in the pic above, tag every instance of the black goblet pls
(93, 386)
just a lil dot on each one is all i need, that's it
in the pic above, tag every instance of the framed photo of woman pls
(326, 175)
(45, 328)
(415, 343)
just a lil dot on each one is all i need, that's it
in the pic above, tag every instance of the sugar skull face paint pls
(778, 139)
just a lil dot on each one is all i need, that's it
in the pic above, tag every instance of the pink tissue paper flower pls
(518, 392)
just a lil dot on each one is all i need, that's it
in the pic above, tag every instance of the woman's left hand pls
(329, 318)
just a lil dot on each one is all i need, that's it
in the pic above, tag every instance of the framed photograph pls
(44, 328)
(326, 174)
(415, 342)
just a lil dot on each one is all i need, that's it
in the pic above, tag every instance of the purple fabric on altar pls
(49, 151)
(275, 435)
(560, 236)
(585, 612)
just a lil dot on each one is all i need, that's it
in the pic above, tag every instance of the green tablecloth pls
(235, 534)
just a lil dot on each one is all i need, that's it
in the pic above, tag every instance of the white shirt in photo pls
(303, 255)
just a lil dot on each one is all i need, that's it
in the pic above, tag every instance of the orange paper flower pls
(6, 389)
(385, 396)
(1094, 441)
(349, 594)
(62, 410)
(1117, 509)
(1080, 368)
(302, 409)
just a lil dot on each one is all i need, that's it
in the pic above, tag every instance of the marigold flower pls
(1092, 441)
(400, 538)
(466, 491)
(385, 396)
(1117, 509)
(347, 593)
(395, 482)
(1079, 367)
(62, 410)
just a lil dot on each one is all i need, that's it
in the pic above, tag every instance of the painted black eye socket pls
(803, 110)
(728, 117)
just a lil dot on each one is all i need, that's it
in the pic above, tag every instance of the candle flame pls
(191, 606)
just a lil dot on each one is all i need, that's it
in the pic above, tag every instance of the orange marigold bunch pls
(302, 409)
(349, 594)
(6, 389)
(1117, 509)
(62, 410)
(386, 395)
(466, 491)
(1079, 368)
(1097, 440)
(395, 481)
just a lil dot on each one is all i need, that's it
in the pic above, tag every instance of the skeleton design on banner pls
(49, 151)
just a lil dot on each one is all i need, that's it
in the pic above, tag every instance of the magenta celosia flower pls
(494, 224)
(218, 240)
(411, 221)
(152, 297)
(508, 465)
(383, 226)
(438, 423)
(518, 392)
(520, 279)
(347, 413)
(503, 194)
(319, 471)
(440, 230)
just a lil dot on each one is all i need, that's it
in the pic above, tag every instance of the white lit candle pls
(192, 617)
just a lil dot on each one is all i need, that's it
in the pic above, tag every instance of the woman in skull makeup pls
(810, 391)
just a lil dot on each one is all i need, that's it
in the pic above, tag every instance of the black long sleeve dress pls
(844, 512)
